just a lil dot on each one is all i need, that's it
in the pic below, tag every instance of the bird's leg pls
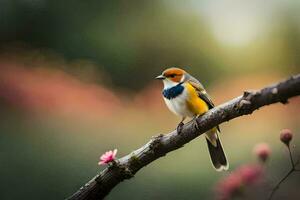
(180, 125)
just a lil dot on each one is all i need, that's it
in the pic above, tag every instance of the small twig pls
(298, 160)
(279, 183)
(293, 169)
(291, 157)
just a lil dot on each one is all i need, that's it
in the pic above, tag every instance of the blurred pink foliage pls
(153, 92)
(244, 176)
(234, 184)
(250, 174)
(54, 91)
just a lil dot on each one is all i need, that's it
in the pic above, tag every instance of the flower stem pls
(293, 169)
(279, 183)
(291, 157)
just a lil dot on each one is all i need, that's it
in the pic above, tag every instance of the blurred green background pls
(76, 79)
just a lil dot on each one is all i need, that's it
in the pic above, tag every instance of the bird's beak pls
(160, 77)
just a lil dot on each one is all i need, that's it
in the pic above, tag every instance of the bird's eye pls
(172, 75)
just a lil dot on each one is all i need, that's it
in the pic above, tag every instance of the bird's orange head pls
(172, 74)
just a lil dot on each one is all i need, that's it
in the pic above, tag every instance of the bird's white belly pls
(179, 106)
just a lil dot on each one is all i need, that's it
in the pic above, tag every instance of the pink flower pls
(262, 151)
(251, 174)
(108, 157)
(235, 183)
(286, 136)
(229, 186)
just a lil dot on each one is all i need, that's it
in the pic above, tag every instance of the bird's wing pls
(201, 91)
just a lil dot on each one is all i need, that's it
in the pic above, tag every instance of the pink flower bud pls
(286, 136)
(262, 151)
(108, 157)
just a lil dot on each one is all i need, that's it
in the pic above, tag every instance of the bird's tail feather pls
(217, 154)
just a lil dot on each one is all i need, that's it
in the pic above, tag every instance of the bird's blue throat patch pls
(173, 92)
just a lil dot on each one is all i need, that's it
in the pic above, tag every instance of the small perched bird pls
(186, 97)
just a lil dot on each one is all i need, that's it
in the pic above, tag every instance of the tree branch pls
(160, 145)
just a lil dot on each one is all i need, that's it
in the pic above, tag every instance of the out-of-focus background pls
(76, 79)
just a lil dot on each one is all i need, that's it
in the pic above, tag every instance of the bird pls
(186, 97)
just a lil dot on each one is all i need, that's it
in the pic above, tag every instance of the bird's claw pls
(179, 127)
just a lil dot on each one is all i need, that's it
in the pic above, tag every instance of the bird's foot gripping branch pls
(127, 166)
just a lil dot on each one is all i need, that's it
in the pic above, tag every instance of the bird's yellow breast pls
(194, 103)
